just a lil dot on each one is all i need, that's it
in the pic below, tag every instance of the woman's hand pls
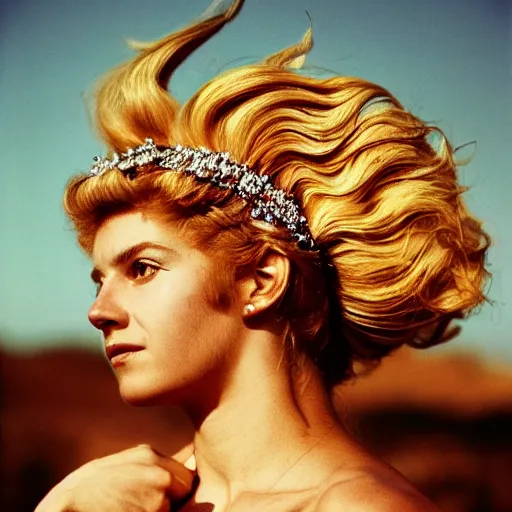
(135, 480)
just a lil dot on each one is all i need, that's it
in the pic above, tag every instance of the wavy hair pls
(399, 254)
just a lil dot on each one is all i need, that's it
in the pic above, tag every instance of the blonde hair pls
(400, 255)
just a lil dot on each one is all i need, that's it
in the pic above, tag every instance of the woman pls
(244, 287)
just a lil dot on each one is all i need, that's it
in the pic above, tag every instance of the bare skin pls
(266, 436)
(134, 480)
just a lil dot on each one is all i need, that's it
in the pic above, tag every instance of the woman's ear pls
(266, 284)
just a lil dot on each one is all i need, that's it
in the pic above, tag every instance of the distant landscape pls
(443, 421)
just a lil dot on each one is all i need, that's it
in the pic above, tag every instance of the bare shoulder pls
(367, 492)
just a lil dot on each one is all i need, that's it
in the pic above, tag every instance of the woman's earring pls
(248, 309)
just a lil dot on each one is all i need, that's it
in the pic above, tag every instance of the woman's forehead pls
(134, 229)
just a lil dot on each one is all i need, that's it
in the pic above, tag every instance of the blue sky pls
(448, 61)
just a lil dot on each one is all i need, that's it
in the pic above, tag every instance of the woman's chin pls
(142, 396)
(139, 397)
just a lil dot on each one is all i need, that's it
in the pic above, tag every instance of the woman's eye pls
(142, 270)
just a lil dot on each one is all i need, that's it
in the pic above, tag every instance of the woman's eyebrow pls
(128, 254)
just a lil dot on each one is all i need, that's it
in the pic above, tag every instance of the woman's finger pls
(182, 479)
(184, 453)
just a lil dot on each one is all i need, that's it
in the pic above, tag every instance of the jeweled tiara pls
(267, 203)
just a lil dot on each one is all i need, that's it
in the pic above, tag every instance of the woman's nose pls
(106, 313)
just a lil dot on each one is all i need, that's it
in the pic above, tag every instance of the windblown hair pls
(399, 254)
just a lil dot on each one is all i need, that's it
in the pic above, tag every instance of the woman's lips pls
(117, 353)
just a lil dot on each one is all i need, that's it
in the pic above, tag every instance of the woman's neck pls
(267, 423)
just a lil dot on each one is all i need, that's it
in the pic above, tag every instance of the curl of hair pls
(401, 256)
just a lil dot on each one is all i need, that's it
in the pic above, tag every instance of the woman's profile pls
(252, 248)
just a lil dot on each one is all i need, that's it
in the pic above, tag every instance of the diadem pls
(267, 202)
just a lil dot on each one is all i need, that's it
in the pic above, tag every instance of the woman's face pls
(155, 292)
